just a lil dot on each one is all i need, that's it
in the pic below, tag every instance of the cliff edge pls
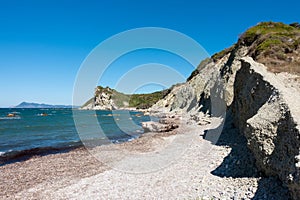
(256, 84)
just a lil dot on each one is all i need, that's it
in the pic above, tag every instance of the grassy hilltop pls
(275, 44)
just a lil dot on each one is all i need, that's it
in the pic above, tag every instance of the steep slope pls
(261, 104)
(268, 116)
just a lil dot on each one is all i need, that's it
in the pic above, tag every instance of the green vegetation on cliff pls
(121, 100)
(143, 101)
(271, 29)
(222, 53)
(275, 44)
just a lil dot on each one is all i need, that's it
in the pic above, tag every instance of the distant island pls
(42, 105)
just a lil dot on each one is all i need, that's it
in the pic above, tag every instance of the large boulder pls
(158, 127)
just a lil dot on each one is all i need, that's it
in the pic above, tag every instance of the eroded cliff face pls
(264, 107)
(212, 84)
(266, 111)
(103, 100)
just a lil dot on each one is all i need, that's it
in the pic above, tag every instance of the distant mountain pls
(38, 105)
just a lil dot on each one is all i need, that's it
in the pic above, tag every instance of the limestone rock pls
(264, 107)
(158, 127)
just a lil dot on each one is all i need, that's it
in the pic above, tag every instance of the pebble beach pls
(202, 171)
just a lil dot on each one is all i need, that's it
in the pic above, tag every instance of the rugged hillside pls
(275, 45)
(266, 111)
(261, 104)
(110, 99)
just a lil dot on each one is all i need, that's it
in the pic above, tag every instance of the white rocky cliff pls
(262, 105)
(103, 100)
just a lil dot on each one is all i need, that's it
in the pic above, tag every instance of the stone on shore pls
(158, 127)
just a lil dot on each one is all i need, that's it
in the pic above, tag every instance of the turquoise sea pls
(38, 131)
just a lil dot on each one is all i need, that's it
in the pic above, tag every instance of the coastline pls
(256, 155)
(197, 173)
(21, 176)
(16, 155)
(23, 155)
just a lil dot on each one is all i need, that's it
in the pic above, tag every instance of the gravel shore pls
(198, 170)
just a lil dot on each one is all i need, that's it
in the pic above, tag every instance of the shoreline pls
(196, 173)
(55, 162)
(12, 156)
(23, 155)
(21, 176)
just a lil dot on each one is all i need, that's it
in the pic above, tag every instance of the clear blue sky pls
(43, 43)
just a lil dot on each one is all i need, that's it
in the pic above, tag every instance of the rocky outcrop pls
(263, 105)
(158, 127)
(267, 113)
(101, 101)
(110, 99)
(166, 123)
(209, 91)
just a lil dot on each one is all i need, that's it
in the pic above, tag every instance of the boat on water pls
(43, 114)
(11, 115)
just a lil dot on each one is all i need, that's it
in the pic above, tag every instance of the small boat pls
(11, 115)
(43, 114)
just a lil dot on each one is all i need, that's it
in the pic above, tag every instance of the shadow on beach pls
(240, 163)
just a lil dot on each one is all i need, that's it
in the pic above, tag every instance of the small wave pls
(9, 118)
(43, 114)
(122, 140)
(4, 153)
(108, 115)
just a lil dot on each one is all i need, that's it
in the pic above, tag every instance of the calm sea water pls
(30, 130)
